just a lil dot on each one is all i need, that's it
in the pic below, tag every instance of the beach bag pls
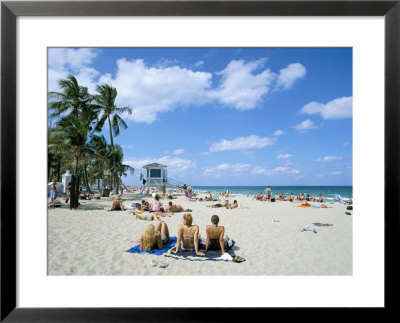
(349, 207)
(273, 199)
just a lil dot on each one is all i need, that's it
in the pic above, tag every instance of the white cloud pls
(329, 158)
(232, 168)
(346, 143)
(336, 173)
(65, 61)
(152, 90)
(279, 132)
(240, 87)
(276, 170)
(199, 63)
(242, 143)
(336, 109)
(305, 125)
(284, 156)
(178, 151)
(287, 76)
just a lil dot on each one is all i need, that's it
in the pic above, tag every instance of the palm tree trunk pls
(58, 168)
(114, 163)
(75, 165)
(86, 179)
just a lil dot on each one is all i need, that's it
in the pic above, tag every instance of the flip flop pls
(238, 259)
(153, 262)
(348, 213)
(163, 265)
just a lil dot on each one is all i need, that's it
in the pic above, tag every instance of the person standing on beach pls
(163, 189)
(68, 193)
(53, 192)
(268, 193)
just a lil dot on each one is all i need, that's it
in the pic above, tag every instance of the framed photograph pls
(268, 118)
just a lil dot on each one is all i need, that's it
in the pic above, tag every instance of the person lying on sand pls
(208, 198)
(188, 236)
(222, 204)
(233, 206)
(154, 238)
(143, 215)
(173, 208)
(117, 204)
(349, 202)
(216, 237)
(301, 197)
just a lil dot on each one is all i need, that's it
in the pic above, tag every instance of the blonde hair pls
(148, 238)
(188, 219)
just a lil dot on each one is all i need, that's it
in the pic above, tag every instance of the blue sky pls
(227, 116)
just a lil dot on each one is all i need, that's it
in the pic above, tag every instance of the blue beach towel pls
(157, 252)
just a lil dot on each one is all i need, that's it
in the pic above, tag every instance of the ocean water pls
(346, 192)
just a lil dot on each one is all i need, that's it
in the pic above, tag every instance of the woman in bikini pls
(143, 215)
(173, 208)
(216, 237)
(153, 238)
(233, 206)
(188, 236)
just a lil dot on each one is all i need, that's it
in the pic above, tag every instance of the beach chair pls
(190, 197)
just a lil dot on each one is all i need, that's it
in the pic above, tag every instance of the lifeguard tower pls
(157, 175)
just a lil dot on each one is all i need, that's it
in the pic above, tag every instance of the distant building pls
(156, 174)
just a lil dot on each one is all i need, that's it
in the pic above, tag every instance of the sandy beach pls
(93, 241)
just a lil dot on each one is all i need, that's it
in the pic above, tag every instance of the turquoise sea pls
(346, 192)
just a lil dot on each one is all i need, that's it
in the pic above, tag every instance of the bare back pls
(214, 234)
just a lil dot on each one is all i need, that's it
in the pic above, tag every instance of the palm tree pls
(77, 115)
(106, 101)
(73, 98)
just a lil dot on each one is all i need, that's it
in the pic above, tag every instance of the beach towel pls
(317, 224)
(115, 210)
(213, 255)
(157, 252)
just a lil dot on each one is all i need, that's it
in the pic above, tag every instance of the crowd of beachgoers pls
(188, 236)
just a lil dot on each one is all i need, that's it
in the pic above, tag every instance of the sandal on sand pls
(188, 210)
(163, 265)
(348, 213)
(238, 259)
(153, 262)
(315, 231)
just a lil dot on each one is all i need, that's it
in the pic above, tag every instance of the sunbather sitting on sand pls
(216, 237)
(259, 196)
(291, 198)
(188, 236)
(153, 238)
(143, 215)
(300, 197)
(281, 197)
(208, 198)
(117, 204)
(320, 198)
(173, 208)
(233, 206)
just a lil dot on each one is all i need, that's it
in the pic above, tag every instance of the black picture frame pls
(10, 10)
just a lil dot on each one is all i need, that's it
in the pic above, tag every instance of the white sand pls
(92, 241)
